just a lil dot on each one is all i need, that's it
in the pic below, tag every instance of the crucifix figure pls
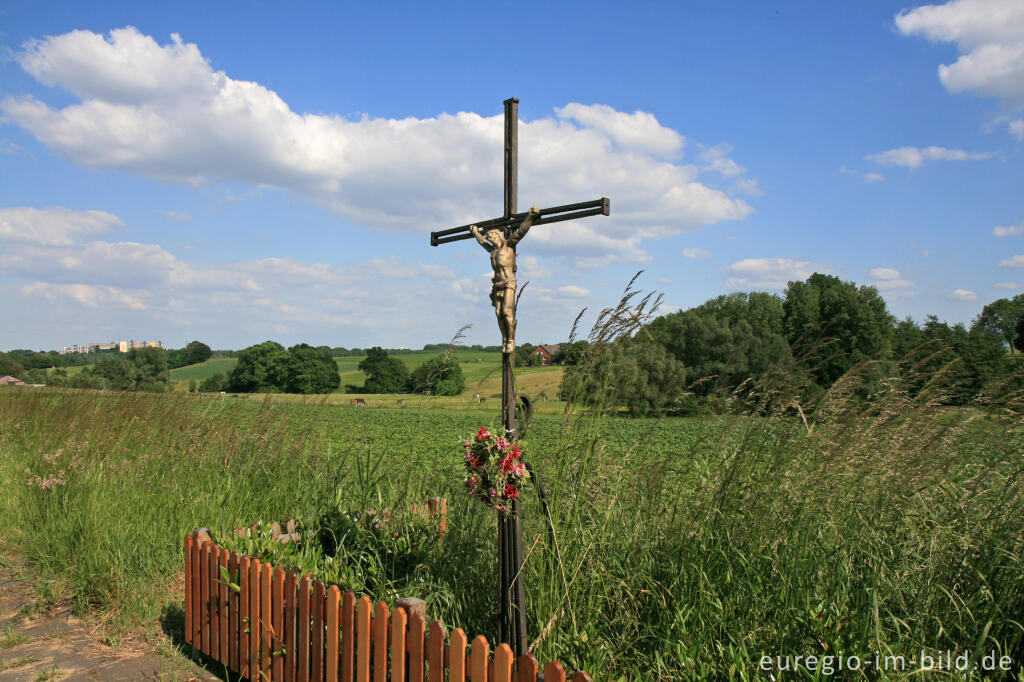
(500, 236)
(503, 285)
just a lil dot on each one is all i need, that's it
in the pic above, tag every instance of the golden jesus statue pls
(503, 284)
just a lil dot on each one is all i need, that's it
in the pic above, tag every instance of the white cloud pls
(964, 295)
(694, 252)
(88, 295)
(53, 226)
(164, 112)
(891, 282)
(1014, 262)
(913, 157)
(866, 178)
(1005, 285)
(990, 38)
(1016, 127)
(748, 186)
(1011, 231)
(176, 216)
(717, 160)
(573, 291)
(771, 273)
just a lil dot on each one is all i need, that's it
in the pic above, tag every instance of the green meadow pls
(676, 549)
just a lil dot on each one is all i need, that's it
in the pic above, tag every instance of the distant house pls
(546, 353)
(8, 380)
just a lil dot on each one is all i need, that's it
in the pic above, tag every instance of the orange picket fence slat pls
(302, 671)
(290, 612)
(214, 603)
(333, 633)
(435, 652)
(478, 659)
(457, 656)
(244, 615)
(255, 618)
(363, 639)
(399, 622)
(317, 639)
(222, 604)
(414, 642)
(348, 635)
(277, 625)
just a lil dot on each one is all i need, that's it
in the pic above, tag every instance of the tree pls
(260, 367)
(632, 372)
(9, 365)
(1001, 317)
(439, 376)
(833, 325)
(1018, 342)
(214, 384)
(311, 370)
(140, 369)
(383, 374)
(197, 351)
(726, 340)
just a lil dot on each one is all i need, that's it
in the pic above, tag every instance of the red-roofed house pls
(8, 380)
(546, 353)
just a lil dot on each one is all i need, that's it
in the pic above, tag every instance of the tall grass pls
(676, 549)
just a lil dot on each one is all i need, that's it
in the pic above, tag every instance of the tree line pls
(815, 333)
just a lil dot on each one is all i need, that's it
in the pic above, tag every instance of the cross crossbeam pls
(555, 214)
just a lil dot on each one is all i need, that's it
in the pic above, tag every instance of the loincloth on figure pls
(499, 285)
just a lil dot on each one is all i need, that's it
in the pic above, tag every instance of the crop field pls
(203, 370)
(676, 549)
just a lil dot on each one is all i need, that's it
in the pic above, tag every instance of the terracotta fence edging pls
(277, 626)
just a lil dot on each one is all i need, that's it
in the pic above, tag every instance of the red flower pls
(507, 465)
(482, 434)
(510, 492)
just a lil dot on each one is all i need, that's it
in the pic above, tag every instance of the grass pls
(675, 549)
(15, 663)
(11, 637)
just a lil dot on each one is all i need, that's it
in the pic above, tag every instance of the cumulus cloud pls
(53, 226)
(964, 295)
(1011, 231)
(164, 112)
(891, 282)
(1005, 285)
(1014, 262)
(88, 295)
(867, 178)
(694, 252)
(989, 35)
(717, 160)
(914, 157)
(771, 273)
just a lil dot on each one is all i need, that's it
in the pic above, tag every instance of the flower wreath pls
(494, 469)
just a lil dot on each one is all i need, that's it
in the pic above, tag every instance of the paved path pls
(54, 645)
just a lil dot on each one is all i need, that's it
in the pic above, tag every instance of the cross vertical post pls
(499, 236)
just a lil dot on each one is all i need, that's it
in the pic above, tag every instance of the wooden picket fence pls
(282, 627)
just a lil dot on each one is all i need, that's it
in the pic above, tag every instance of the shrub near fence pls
(265, 623)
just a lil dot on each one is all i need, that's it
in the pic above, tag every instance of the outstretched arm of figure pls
(480, 238)
(524, 226)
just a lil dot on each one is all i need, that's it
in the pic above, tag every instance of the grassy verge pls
(678, 549)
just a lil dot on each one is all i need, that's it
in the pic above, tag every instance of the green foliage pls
(833, 326)
(268, 367)
(1000, 318)
(441, 375)
(197, 351)
(214, 384)
(259, 368)
(1018, 341)
(383, 374)
(311, 370)
(140, 369)
(640, 375)
(725, 341)
(90, 379)
(9, 366)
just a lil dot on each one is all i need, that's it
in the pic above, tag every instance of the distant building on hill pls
(125, 346)
(8, 380)
(546, 353)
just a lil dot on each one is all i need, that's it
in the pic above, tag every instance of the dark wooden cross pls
(512, 597)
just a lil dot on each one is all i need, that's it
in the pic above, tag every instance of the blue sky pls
(235, 172)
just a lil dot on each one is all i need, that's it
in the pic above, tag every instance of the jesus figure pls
(503, 284)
